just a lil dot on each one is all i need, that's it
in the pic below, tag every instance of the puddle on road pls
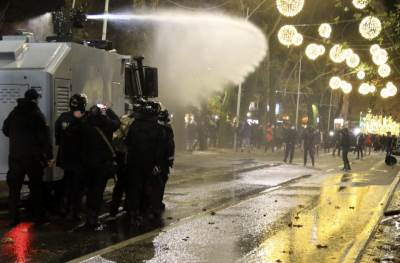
(324, 233)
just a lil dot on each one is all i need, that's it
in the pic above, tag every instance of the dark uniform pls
(290, 139)
(309, 145)
(68, 134)
(168, 156)
(345, 143)
(145, 146)
(98, 158)
(30, 152)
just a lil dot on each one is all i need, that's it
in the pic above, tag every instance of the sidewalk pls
(384, 246)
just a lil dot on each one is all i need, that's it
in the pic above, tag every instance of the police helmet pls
(77, 103)
(164, 116)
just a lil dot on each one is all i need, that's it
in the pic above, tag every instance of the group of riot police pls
(94, 146)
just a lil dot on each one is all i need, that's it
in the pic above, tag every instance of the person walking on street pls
(269, 136)
(68, 135)
(345, 144)
(360, 140)
(290, 139)
(30, 153)
(309, 145)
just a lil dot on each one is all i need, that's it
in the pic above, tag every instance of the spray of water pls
(198, 53)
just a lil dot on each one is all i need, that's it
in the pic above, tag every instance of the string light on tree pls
(313, 51)
(361, 75)
(346, 87)
(289, 8)
(370, 27)
(353, 60)
(335, 82)
(372, 88)
(288, 36)
(298, 39)
(384, 93)
(380, 57)
(364, 89)
(374, 49)
(360, 4)
(325, 30)
(391, 89)
(336, 54)
(384, 70)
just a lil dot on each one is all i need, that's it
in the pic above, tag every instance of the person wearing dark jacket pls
(345, 143)
(68, 134)
(30, 152)
(290, 139)
(168, 156)
(145, 147)
(309, 145)
(99, 158)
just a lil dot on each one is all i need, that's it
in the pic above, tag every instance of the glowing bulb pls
(372, 88)
(346, 87)
(360, 4)
(380, 57)
(336, 54)
(374, 49)
(384, 70)
(384, 93)
(297, 40)
(370, 27)
(286, 35)
(353, 60)
(391, 89)
(325, 30)
(335, 83)
(313, 51)
(289, 8)
(361, 74)
(348, 52)
(364, 89)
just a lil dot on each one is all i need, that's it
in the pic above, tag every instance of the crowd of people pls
(94, 146)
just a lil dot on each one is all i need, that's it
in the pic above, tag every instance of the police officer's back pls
(30, 152)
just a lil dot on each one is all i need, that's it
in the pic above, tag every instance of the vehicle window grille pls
(62, 99)
(9, 94)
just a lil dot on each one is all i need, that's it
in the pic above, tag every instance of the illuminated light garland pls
(391, 89)
(325, 30)
(313, 51)
(335, 83)
(287, 34)
(289, 8)
(346, 87)
(297, 39)
(361, 75)
(380, 57)
(364, 89)
(374, 49)
(384, 70)
(372, 88)
(353, 60)
(336, 54)
(360, 4)
(370, 27)
(384, 93)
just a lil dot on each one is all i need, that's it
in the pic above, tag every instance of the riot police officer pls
(99, 158)
(30, 153)
(68, 134)
(145, 146)
(168, 155)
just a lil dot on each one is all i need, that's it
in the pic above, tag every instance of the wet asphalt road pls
(281, 213)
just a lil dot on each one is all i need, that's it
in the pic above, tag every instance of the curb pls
(355, 252)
